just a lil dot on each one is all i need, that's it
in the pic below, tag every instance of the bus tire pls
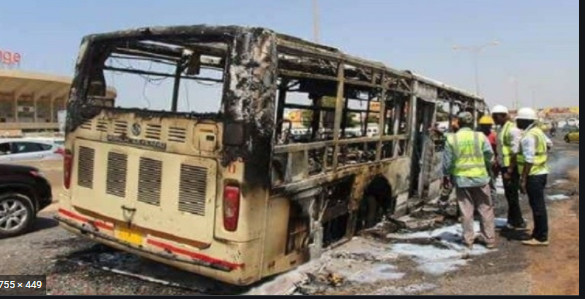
(373, 211)
(368, 213)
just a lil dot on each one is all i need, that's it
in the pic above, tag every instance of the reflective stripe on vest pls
(505, 141)
(540, 154)
(467, 150)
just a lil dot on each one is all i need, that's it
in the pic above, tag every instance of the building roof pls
(21, 82)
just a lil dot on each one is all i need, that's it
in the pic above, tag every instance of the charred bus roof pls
(186, 35)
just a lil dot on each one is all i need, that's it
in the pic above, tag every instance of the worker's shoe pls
(522, 227)
(534, 242)
(489, 245)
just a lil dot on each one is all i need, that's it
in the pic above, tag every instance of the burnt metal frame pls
(312, 61)
(382, 78)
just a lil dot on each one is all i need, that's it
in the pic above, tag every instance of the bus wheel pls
(370, 213)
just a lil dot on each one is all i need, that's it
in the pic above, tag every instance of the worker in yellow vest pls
(507, 143)
(467, 156)
(533, 169)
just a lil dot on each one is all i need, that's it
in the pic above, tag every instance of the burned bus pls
(227, 193)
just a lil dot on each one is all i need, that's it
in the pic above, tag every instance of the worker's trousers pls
(477, 198)
(535, 189)
(512, 189)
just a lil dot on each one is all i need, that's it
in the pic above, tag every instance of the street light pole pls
(315, 21)
(476, 68)
(475, 51)
(514, 81)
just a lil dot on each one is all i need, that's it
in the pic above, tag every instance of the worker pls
(508, 139)
(466, 158)
(553, 128)
(454, 125)
(533, 169)
(486, 124)
(448, 189)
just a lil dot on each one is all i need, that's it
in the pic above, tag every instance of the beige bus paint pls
(245, 253)
(165, 217)
(275, 258)
(241, 276)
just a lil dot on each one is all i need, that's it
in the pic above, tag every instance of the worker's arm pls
(488, 152)
(528, 147)
(516, 136)
(549, 143)
(447, 164)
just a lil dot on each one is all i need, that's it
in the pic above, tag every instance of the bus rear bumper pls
(229, 274)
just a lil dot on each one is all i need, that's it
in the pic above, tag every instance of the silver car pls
(24, 149)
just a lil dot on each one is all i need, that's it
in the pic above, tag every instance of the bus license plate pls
(128, 235)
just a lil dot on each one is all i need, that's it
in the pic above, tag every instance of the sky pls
(537, 51)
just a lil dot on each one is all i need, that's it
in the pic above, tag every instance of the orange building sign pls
(295, 116)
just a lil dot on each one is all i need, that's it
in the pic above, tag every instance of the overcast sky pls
(538, 39)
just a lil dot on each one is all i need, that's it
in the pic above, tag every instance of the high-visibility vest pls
(540, 154)
(505, 141)
(467, 148)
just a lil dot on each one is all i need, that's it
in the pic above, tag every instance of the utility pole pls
(315, 21)
(514, 81)
(475, 51)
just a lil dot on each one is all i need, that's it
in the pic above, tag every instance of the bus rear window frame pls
(95, 65)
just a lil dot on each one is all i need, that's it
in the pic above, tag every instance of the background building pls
(30, 102)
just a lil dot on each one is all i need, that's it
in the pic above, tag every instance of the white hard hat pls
(499, 109)
(527, 114)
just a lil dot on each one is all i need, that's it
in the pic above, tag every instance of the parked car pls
(573, 122)
(572, 136)
(60, 141)
(24, 191)
(372, 131)
(23, 149)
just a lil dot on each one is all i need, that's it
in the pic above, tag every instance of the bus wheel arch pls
(376, 202)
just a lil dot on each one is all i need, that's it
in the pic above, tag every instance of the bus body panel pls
(190, 218)
(223, 194)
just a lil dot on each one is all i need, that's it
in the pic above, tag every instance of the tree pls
(373, 119)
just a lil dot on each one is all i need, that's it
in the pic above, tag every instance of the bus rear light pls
(231, 207)
(67, 164)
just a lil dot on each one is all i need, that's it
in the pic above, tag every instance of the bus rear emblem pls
(136, 129)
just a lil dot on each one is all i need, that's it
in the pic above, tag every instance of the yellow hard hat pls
(486, 120)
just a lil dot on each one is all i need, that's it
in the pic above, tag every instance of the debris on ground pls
(557, 197)
(334, 279)
(407, 290)
(436, 252)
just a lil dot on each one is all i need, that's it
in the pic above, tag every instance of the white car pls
(573, 122)
(372, 132)
(24, 149)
